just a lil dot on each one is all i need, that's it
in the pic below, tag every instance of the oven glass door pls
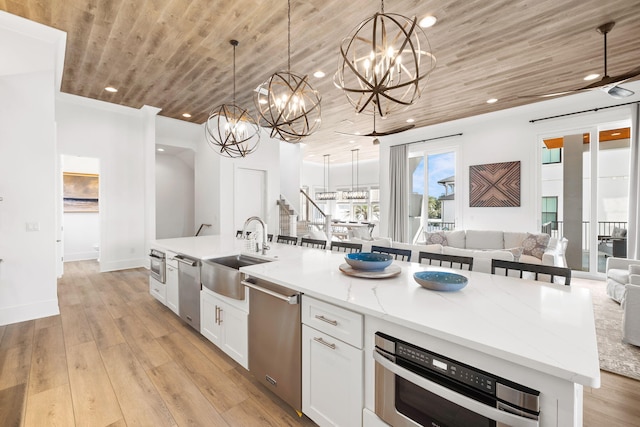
(157, 266)
(428, 409)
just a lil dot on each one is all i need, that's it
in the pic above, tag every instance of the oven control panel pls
(446, 367)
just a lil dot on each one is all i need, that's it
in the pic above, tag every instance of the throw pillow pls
(535, 244)
(361, 233)
(517, 253)
(634, 269)
(437, 237)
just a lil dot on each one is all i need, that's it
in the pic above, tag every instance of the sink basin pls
(222, 275)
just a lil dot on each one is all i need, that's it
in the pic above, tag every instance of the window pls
(550, 211)
(553, 155)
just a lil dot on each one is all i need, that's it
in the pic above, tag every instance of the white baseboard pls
(22, 313)
(123, 264)
(81, 256)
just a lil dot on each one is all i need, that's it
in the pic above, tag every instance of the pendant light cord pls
(382, 6)
(289, 36)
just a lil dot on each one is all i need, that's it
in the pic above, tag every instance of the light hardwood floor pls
(117, 357)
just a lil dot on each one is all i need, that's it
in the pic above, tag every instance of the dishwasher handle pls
(290, 299)
(186, 260)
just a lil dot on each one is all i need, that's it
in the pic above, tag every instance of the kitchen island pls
(535, 334)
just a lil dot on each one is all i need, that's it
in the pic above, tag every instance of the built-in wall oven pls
(416, 387)
(157, 265)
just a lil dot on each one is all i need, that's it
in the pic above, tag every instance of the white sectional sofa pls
(484, 245)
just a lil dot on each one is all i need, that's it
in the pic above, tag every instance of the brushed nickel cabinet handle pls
(217, 315)
(323, 342)
(329, 321)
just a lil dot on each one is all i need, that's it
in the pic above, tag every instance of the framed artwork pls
(80, 192)
(494, 185)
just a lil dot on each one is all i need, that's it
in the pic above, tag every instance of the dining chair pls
(313, 243)
(346, 247)
(398, 254)
(444, 260)
(289, 240)
(538, 270)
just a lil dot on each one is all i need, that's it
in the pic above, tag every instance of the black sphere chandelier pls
(230, 130)
(287, 103)
(384, 63)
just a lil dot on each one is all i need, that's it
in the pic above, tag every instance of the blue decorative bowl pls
(440, 280)
(368, 261)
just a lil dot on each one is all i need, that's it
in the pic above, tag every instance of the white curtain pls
(633, 230)
(399, 193)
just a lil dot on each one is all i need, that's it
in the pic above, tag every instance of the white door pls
(250, 196)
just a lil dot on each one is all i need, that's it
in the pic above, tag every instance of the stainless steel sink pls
(222, 275)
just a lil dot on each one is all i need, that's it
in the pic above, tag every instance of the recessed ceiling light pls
(111, 89)
(492, 100)
(410, 120)
(319, 74)
(351, 142)
(262, 101)
(615, 134)
(357, 132)
(591, 77)
(187, 115)
(428, 21)
(161, 149)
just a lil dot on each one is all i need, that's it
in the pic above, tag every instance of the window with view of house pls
(550, 211)
(551, 155)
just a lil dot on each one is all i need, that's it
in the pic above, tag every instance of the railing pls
(311, 212)
(605, 228)
(440, 226)
(284, 219)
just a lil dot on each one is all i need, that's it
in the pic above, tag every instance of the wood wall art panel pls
(494, 185)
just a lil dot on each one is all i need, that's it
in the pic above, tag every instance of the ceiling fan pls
(607, 83)
(376, 134)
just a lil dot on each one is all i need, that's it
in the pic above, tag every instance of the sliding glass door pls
(431, 192)
(586, 177)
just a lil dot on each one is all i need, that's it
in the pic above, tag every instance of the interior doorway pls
(80, 225)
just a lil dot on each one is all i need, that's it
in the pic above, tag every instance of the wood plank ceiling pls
(175, 54)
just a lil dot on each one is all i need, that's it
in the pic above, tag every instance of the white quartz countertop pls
(546, 327)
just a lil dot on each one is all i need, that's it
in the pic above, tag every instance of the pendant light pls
(287, 103)
(326, 194)
(230, 130)
(384, 63)
(355, 193)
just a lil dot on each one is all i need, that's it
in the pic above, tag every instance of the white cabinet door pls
(209, 326)
(158, 290)
(226, 326)
(331, 380)
(234, 336)
(172, 288)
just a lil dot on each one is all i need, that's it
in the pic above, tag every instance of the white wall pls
(290, 172)
(28, 177)
(116, 136)
(215, 185)
(81, 229)
(175, 212)
(504, 136)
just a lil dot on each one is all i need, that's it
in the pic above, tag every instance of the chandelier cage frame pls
(326, 194)
(287, 104)
(371, 70)
(355, 194)
(231, 130)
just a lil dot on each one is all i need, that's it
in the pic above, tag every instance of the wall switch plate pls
(33, 226)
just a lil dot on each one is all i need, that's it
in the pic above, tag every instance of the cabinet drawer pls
(332, 320)
(171, 261)
(158, 290)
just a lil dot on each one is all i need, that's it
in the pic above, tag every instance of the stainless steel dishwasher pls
(189, 288)
(275, 339)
